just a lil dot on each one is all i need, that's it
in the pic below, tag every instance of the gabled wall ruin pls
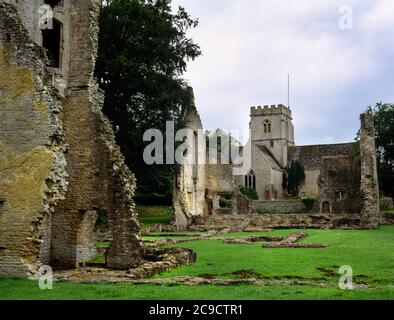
(341, 177)
(59, 164)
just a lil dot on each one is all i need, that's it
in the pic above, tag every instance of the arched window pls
(51, 41)
(267, 126)
(250, 180)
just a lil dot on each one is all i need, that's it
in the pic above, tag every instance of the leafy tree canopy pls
(293, 178)
(143, 53)
(383, 114)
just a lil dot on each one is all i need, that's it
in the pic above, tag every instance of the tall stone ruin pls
(59, 164)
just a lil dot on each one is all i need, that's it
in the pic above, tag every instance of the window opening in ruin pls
(267, 195)
(195, 154)
(225, 201)
(272, 144)
(51, 41)
(326, 207)
(2, 203)
(341, 195)
(267, 126)
(53, 3)
(102, 220)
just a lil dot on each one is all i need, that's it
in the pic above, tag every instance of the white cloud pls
(250, 46)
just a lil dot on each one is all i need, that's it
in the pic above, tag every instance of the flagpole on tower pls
(288, 90)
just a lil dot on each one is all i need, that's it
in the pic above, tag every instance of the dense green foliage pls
(293, 178)
(383, 114)
(143, 53)
(250, 193)
(368, 252)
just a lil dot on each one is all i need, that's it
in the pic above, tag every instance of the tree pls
(142, 55)
(383, 114)
(293, 178)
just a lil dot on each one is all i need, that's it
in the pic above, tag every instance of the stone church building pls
(342, 178)
(60, 168)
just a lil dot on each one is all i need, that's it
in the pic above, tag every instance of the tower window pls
(51, 41)
(267, 126)
(272, 144)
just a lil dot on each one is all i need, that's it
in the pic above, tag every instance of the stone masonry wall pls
(370, 211)
(281, 206)
(189, 189)
(99, 179)
(340, 174)
(32, 165)
(311, 156)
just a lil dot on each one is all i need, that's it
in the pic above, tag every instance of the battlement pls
(270, 110)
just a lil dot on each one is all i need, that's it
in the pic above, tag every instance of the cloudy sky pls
(250, 46)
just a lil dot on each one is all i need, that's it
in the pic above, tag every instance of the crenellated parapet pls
(270, 110)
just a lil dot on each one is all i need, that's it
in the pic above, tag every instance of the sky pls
(250, 47)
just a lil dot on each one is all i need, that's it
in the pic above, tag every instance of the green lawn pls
(148, 215)
(370, 253)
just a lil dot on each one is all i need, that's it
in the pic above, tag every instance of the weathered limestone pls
(369, 176)
(341, 177)
(189, 189)
(291, 242)
(59, 164)
(32, 164)
(280, 206)
(386, 203)
(312, 158)
(99, 179)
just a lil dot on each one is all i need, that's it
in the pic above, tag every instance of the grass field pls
(148, 215)
(370, 253)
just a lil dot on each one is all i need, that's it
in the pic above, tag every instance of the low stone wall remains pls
(280, 206)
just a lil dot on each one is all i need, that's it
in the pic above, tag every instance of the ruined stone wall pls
(219, 182)
(99, 179)
(339, 185)
(279, 221)
(311, 158)
(28, 11)
(386, 203)
(31, 12)
(281, 207)
(370, 211)
(189, 186)
(32, 165)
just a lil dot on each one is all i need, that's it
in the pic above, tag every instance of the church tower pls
(272, 128)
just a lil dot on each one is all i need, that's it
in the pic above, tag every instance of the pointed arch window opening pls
(250, 180)
(52, 42)
(267, 126)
